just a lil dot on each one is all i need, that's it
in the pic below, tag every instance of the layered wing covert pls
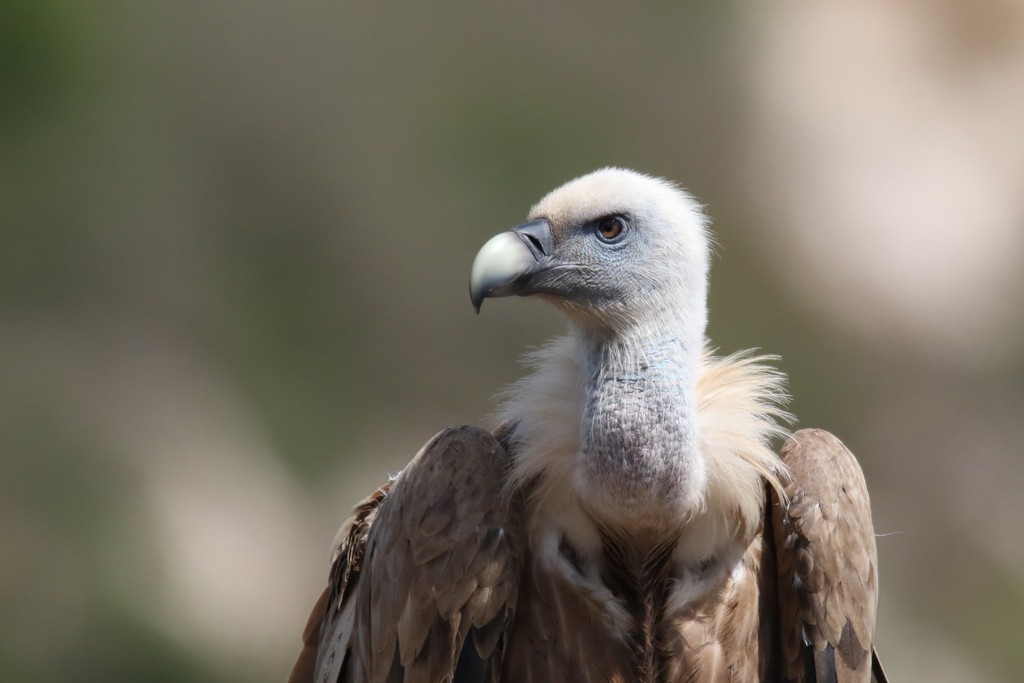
(424, 582)
(827, 565)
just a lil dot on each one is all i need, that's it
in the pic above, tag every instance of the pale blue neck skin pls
(639, 434)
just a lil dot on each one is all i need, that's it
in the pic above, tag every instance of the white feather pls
(730, 408)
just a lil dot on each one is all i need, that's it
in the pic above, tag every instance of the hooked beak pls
(507, 263)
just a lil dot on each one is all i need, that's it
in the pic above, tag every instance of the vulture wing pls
(827, 565)
(424, 581)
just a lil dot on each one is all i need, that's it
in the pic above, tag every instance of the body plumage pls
(629, 520)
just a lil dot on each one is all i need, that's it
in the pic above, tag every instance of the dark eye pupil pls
(610, 228)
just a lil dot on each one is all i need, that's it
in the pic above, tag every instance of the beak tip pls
(476, 297)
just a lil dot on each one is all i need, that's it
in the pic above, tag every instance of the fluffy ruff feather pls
(740, 408)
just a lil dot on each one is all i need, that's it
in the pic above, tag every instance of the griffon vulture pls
(629, 520)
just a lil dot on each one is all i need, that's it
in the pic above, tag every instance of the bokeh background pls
(235, 245)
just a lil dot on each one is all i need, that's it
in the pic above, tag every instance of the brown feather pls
(324, 638)
(560, 634)
(305, 664)
(827, 562)
(430, 556)
(420, 593)
(717, 637)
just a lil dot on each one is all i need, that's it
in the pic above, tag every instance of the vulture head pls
(625, 256)
(615, 249)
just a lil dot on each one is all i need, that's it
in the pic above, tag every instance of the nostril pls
(535, 242)
(536, 235)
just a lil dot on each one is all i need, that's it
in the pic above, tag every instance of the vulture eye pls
(611, 228)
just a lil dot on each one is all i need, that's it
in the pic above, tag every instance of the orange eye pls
(611, 228)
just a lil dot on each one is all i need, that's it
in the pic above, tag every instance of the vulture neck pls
(643, 435)
(640, 458)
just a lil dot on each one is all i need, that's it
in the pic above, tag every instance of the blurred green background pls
(236, 239)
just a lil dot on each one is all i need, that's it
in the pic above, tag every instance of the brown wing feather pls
(305, 664)
(827, 564)
(561, 633)
(565, 629)
(432, 564)
(325, 638)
